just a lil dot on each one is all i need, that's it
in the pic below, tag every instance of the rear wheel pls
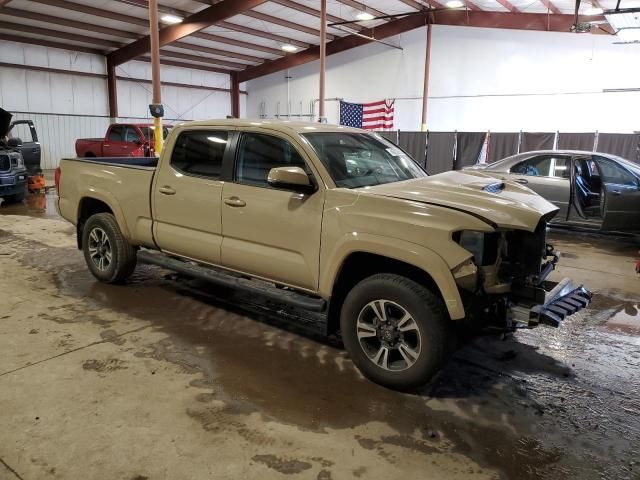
(107, 252)
(396, 331)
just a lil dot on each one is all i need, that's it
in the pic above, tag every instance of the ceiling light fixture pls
(364, 16)
(170, 19)
(287, 47)
(454, 4)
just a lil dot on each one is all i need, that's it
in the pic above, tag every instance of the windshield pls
(148, 132)
(361, 159)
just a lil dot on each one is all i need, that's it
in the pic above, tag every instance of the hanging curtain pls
(469, 148)
(502, 145)
(537, 141)
(415, 144)
(624, 145)
(576, 141)
(440, 152)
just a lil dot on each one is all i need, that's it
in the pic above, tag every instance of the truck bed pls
(121, 183)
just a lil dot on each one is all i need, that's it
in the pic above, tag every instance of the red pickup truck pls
(121, 140)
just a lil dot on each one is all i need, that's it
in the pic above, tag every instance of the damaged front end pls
(505, 284)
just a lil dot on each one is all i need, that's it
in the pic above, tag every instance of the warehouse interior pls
(515, 115)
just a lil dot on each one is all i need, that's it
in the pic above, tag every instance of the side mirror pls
(291, 178)
(14, 142)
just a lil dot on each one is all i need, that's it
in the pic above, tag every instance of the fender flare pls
(110, 201)
(397, 249)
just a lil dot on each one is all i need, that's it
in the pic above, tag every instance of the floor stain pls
(281, 465)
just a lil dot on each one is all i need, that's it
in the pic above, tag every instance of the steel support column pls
(112, 90)
(235, 95)
(155, 72)
(425, 90)
(323, 57)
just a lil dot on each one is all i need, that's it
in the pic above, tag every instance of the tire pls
(427, 332)
(16, 197)
(115, 260)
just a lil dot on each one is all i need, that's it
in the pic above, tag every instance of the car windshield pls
(148, 132)
(362, 159)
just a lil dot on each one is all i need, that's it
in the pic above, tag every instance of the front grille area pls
(5, 163)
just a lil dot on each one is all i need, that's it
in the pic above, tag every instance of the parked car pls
(121, 140)
(591, 189)
(343, 221)
(13, 173)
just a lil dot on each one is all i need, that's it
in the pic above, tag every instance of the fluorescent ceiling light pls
(364, 16)
(216, 140)
(171, 19)
(454, 4)
(593, 11)
(287, 47)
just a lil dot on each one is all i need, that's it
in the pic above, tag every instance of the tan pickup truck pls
(329, 219)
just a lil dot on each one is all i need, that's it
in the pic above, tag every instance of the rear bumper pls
(564, 299)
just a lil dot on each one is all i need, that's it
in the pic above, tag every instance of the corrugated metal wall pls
(65, 107)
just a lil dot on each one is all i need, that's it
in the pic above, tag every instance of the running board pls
(257, 287)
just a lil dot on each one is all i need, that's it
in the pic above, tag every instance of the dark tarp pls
(440, 152)
(415, 144)
(391, 135)
(469, 146)
(536, 141)
(502, 145)
(576, 141)
(624, 145)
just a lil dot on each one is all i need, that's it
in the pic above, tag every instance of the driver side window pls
(258, 153)
(611, 172)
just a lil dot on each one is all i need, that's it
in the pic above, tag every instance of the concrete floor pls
(167, 378)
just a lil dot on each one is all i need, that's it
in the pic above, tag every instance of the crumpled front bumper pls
(563, 300)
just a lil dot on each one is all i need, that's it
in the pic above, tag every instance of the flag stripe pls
(370, 116)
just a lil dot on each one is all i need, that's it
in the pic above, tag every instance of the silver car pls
(593, 190)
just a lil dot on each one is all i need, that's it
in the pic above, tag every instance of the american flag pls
(370, 116)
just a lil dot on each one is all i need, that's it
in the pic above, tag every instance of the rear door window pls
(544, 166)
(116, 134)
(200, 152)
(131, 135)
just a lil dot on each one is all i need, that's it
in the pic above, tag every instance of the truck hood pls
(505, 204)
(5, 123)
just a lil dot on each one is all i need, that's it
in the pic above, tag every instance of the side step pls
(564, 300)
(257, 287)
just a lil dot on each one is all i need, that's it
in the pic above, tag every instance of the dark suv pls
(13, 173)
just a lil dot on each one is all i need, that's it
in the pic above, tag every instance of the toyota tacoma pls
(329, 219)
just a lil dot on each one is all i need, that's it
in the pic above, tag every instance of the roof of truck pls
(284, 125)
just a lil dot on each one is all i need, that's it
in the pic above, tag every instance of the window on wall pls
(200, 152)
(259, 153)
(544, 166)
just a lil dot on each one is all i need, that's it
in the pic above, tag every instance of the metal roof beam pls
(189, 25)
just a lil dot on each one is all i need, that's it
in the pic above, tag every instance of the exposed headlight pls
(483, 246)
(20, 161)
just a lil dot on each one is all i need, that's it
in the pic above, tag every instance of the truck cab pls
(13, 172)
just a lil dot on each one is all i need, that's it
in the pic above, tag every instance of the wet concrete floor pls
(171, 378)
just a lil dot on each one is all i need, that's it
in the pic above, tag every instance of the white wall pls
(66, 107)
(481, 79)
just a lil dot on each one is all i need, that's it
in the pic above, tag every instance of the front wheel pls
(107, 252)
(396, 331)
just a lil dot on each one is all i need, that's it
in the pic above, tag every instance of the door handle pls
(235, 202)
(521, 181)
(167, 190)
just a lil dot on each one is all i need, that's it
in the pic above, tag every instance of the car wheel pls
(397, 331)
(107, 252)
(16, 197)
